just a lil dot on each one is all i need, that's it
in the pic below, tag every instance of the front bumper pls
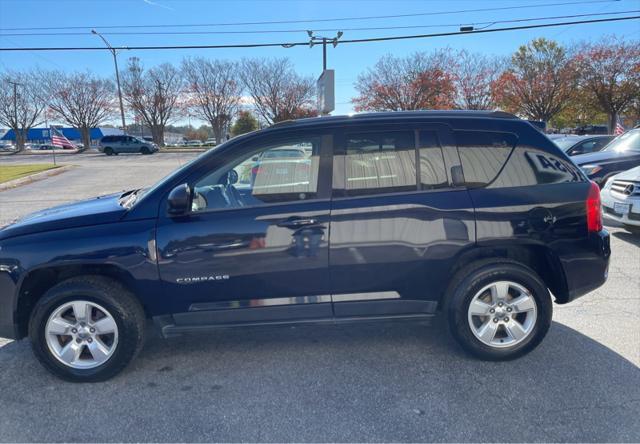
(609, 199)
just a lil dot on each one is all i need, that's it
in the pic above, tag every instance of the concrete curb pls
(34, 177)
(44, 153)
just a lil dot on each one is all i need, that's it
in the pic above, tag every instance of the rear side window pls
(380, 162)
(483, 154)
(432, 170)
(107, 139)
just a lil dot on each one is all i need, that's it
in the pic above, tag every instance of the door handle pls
(296, 222)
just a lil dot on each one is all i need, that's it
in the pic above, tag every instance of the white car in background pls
(621, 199)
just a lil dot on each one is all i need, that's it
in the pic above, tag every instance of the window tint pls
(483, 153)
(261, 177)
(432, 169)
(380, 162)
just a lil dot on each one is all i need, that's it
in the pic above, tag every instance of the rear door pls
(397, 220)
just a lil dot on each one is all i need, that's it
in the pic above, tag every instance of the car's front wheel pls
(498, 310)
(86, 329)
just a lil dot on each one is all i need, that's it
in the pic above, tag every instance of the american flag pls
(619, 129)
(58, 139)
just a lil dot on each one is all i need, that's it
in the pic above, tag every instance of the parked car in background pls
(6, 147)
(621, 154)
(591, 129)
(193, 143)
(471, 216)
(574, 145)
(210, 142)
(111, 145)
(621, 199)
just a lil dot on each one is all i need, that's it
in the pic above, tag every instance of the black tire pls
(145, 150)
(470, 281)
(121, 304)
(108, 151)
(631, 228)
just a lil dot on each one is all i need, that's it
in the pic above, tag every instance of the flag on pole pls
(58, 139)
(619, 129)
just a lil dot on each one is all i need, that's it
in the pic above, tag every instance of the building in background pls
(42, 135)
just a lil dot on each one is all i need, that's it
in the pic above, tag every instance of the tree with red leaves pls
(474, 75)
(610, 74)
(539, 81)
(419, 81)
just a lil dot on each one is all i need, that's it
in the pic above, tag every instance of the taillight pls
(594, 209)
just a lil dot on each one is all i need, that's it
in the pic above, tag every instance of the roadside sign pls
(326, 91)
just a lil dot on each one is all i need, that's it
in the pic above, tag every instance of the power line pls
(289, 45)
(338, 19)
(379, 28)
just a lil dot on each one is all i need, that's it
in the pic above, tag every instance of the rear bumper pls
(8, 327)
(588, 269)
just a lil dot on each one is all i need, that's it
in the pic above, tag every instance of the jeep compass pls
(472, 216)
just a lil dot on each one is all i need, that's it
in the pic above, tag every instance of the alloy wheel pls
(81, 334)
(502, 314)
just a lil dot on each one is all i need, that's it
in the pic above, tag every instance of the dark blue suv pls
(473, 216)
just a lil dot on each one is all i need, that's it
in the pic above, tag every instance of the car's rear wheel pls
(108, 151)
(86, 329)
(498, 311)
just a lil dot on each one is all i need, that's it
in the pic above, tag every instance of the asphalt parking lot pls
(378, 382)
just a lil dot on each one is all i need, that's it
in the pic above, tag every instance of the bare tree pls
(277, 91)
(21, 104)
(539, 82)
(153, 94)
(213, 91)
(610, 75)
(80, 99)
(418, 81)
(474, 77)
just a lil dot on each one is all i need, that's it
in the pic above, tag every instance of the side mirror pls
(179, 199)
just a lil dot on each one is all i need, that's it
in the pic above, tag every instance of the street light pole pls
(324, 40)
(115, 62)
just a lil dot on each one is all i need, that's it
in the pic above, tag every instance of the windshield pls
(629, 141)
(566, 142)
(140, 194)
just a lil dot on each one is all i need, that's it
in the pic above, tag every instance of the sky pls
(348, 60)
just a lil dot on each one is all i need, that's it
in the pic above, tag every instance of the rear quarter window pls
(483, 154)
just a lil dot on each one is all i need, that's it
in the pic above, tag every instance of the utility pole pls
(115, 62)
(15, 107)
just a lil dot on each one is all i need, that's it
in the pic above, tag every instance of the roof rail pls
(504, 114)
(283, 123)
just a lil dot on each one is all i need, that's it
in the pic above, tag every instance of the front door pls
(397, 221)
(255, 245)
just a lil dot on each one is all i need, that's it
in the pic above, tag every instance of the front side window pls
(380, 162)
(282, 172)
